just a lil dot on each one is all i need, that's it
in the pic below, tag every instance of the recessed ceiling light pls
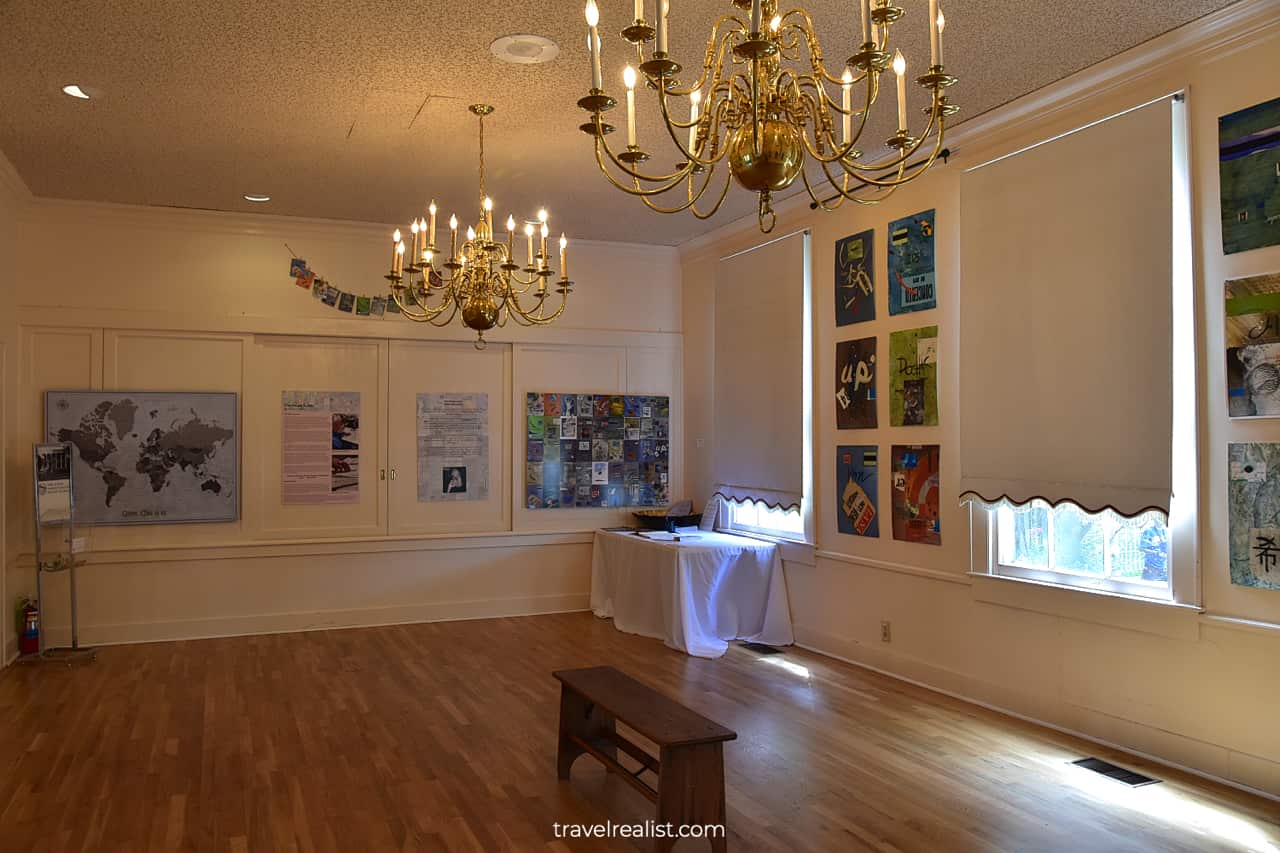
(257, 199)
(524, 49)
(74, 90)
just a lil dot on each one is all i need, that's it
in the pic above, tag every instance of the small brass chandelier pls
(765, 102)
(482, 279)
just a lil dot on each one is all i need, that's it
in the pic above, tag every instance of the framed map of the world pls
(149, 457)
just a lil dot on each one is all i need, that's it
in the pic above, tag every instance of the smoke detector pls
(524, 49)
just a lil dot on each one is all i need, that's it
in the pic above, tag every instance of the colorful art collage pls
(327, 294)
(597, 450)
(912, 381)
(1249, 177)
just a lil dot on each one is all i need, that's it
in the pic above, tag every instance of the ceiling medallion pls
(763, 104)
(481, 280)
(524, 49)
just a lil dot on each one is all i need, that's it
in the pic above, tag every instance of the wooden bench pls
(690, 762)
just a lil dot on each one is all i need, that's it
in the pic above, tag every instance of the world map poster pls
(149, 457)
(597, 450)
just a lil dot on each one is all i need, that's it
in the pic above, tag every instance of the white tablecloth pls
(694, 595)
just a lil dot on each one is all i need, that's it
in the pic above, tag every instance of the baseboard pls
(324, 620)
(820, 643)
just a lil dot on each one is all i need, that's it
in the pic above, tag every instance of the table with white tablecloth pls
(696, 594)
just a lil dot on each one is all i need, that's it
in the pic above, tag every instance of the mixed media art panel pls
(857, 489)
(912, 276)
(1253, 346)
(597, 450)
(856, 384)
(1249, 175)
(147, 457)
(915, 494)
(855, 279)
(913, 377)
(1253, 497)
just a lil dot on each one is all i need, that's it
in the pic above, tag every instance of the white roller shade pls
(1066, 319)
(759, 374)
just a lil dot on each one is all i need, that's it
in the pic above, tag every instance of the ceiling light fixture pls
(482, 278)
(524, 49)
(74, 90)
(257, 199)
(764, 102)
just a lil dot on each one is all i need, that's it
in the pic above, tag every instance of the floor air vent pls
(1112, 771)
(762, 649)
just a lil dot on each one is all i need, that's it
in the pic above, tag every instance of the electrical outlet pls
(79, 545)
(702, 442)
(886, 636)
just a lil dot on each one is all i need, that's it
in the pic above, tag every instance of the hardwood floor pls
(443, 737)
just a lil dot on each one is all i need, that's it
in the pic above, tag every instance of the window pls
(1066, 545)
(757, 517)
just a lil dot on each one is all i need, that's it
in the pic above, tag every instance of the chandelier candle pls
(593, 44)
(942, 24)
(528, 232)
(395, 238)
(431, 209)
(639, 11)
(763, 110)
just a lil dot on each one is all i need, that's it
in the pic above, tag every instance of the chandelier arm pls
(717, 49)
(416, 308)
(908, 152)
(724, 192)
(692, 200)
(806, 28)
(842, 151)
(672, 181)
(829, 207)
(903, 177)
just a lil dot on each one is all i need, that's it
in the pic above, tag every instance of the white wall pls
(1192, 688)
(160, 299)
(13, 198)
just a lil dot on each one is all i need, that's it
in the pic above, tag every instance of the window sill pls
(793, 550)
(1102, 607)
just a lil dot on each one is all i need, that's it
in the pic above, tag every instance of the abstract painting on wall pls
(856, 384)
(1253, 346)
(1249, 176)
(913, 377)
(855, 279)
(912, 278)
(597, 450)
(915, 493)
(857, 472)
(1254, 514)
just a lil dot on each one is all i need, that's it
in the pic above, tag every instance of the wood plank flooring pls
(443, 737)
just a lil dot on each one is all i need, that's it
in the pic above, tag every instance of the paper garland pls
(349, 303)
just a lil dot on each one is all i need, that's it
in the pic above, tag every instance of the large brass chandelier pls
(765, 102)
(481, 279)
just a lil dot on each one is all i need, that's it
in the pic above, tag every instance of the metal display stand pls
(51, 510)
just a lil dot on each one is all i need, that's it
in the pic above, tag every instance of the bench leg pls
(691, 791)
(586, 720)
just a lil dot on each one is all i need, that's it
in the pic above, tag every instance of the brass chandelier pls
(482, 279)
(765, 103)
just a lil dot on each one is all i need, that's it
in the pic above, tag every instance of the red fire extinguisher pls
(29, 643)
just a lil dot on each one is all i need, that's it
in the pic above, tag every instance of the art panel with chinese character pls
(1253, 506)
(857, 490)
(915, 493)
(912, 277)
(1253, 346)
(1249, 177)
(597, 450)
(913, 377)
(855, 279)
(856, 384)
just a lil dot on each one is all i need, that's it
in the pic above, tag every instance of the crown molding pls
(190, 220)
(1216, 35)
(11, 183)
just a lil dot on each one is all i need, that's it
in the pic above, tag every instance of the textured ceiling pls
(355, 109)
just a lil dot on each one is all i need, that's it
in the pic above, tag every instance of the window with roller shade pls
(1077, 374)
(762, 384)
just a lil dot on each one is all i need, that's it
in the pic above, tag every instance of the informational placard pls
(320, 447)
(53, 483)
(149, 457)
(453, 447)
